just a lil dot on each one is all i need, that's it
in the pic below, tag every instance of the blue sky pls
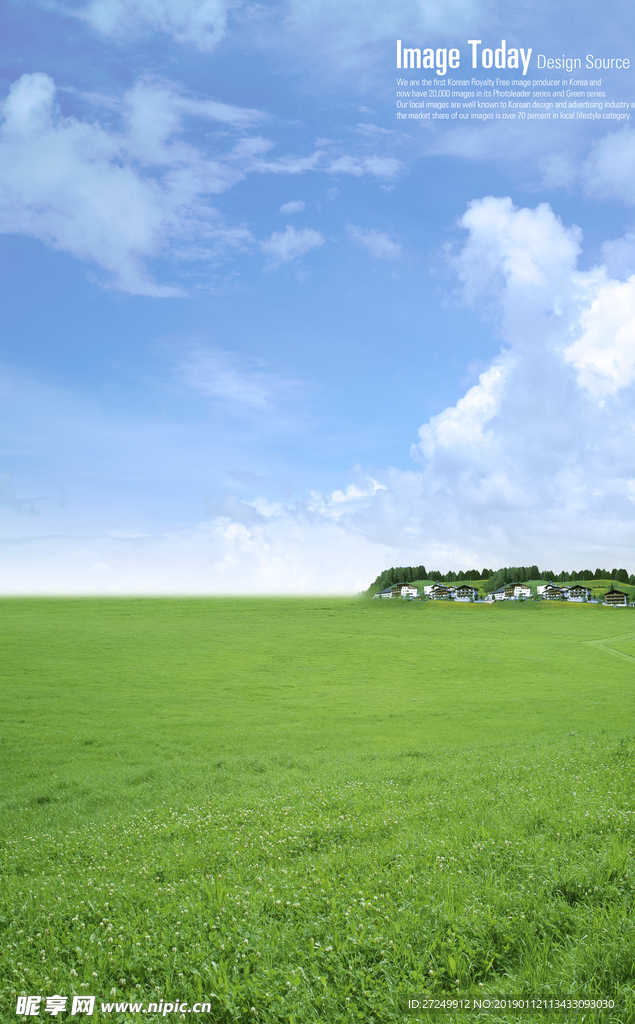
(260, 336)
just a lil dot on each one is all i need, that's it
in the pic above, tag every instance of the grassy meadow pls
(306, 810)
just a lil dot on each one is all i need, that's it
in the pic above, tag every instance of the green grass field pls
(306, 810)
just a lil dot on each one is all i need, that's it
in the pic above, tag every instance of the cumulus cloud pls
(289, 245)
(534, 463)
(377, 242)
(199, 23)
(539, 451)
(523, 258)
(604, 353)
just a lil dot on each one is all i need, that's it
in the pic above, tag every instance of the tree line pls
(407, 574)
(619, 575)
(495, 577)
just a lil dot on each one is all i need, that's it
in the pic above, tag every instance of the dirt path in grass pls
(601, 644)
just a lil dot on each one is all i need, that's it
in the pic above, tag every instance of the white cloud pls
(619, 256)
(296, 206)
(537, 454)
(123, 198)
(386, 167)
(558, 170)
(250, 154)
(353, 492)
(78, 186)
(533, 464)
(341, 32)
(199, 23)
(604, 354)
(377, 242)
(464, 424)
(372, 131)
(522, 257)
(63, 182)
(100, 568)
(154, 111)
(273, 555)
(608, 170)
(289, 245)
(223, 375)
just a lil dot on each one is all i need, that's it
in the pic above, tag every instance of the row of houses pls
(552, 592)
(436, 592)
(510, 592)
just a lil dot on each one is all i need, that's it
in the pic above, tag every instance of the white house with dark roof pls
(437, 592)
(512, 592)
(406, 590)
(577, 592)
(551, 592)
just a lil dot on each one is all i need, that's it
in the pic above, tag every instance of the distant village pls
(513, 591)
